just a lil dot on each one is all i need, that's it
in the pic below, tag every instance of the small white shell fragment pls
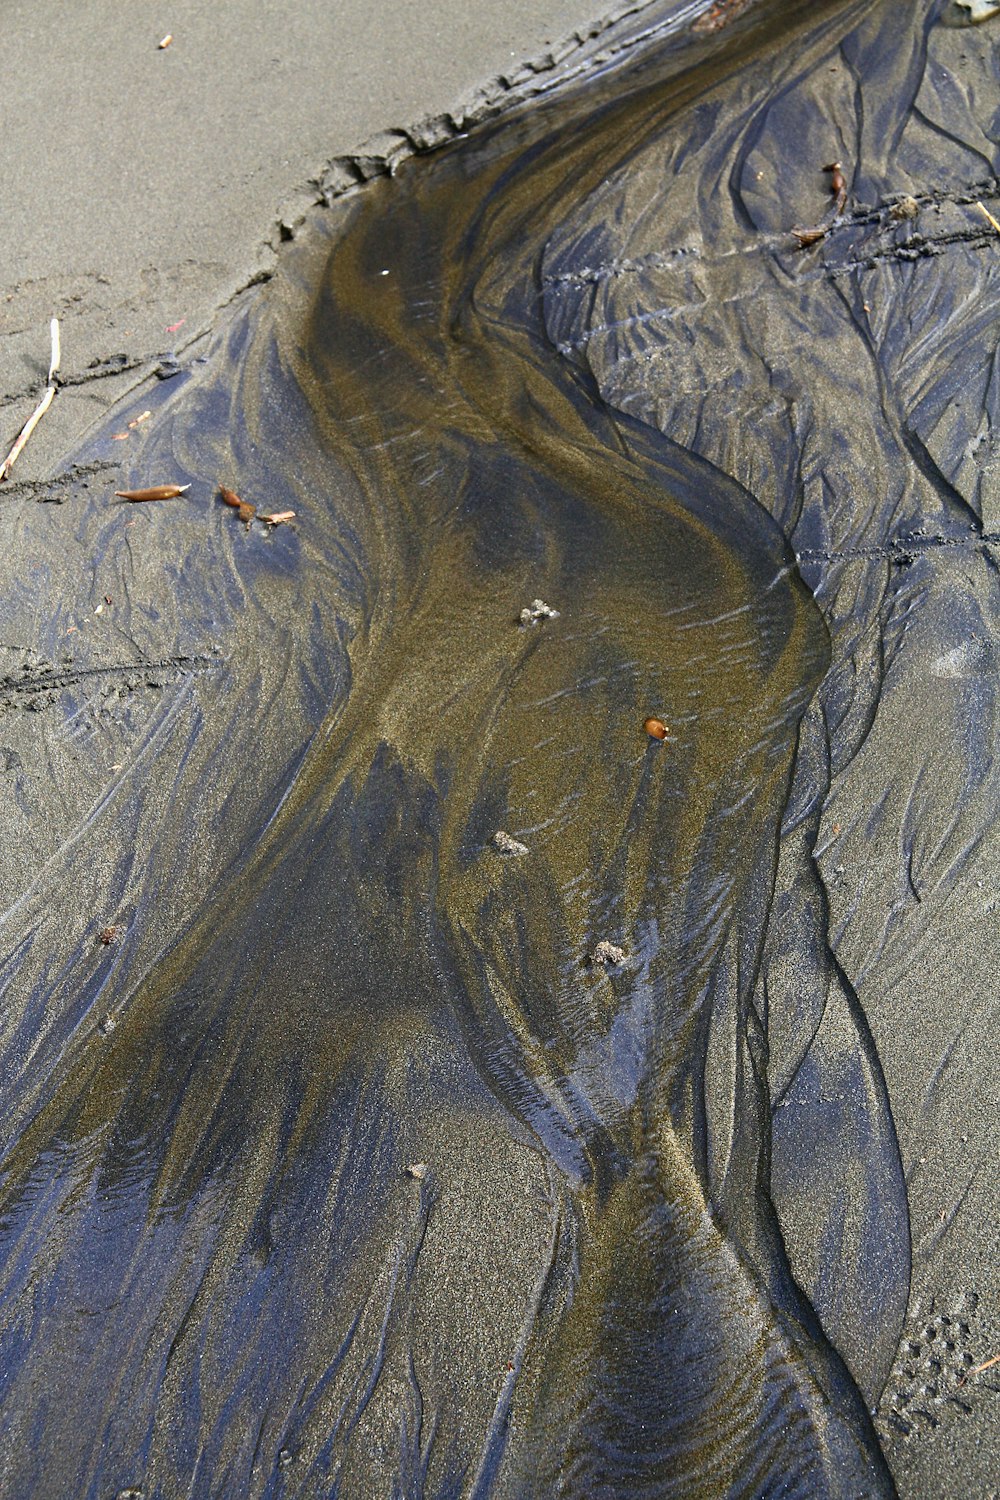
(608, 953)
(979, 10)
(508, 845)
(418, 1170)
(538, 610)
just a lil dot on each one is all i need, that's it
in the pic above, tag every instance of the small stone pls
(608, 953)
(418, 1170)
(904, 208)
(538, 610)
(508, 845)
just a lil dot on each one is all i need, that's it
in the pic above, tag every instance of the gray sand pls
(143, 188)
(143, 206)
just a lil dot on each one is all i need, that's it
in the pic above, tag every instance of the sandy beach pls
(147, 186)
(499, 927)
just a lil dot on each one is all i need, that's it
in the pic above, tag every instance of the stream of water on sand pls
(380, 1181)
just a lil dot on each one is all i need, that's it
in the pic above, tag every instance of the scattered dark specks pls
(656, 729)
(508, 845)
(608, 953)
(418, 1170)
(537, 610)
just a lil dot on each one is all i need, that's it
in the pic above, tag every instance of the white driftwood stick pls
(54, 361)
(987, 215)
(40, 409)
(27, 430)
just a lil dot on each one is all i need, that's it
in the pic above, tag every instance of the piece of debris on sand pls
(42, 407)
(155, 492)
(230, 497)
(537, 610)
(608, 953)
(508, 845)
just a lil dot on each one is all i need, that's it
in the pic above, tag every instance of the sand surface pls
(334, 1154)
(144, 188)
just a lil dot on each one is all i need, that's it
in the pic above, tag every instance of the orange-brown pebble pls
(656, 729)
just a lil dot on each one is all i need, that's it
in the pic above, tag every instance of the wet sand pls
(345, 1127)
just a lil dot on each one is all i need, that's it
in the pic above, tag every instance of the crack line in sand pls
(902, 548)
(56, 681)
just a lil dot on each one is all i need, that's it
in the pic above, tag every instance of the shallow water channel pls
(369, 1170)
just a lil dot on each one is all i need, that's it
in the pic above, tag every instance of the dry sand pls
(145, 187)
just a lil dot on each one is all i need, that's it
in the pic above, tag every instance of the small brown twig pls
(40, 409)
(838, 186)
(816, 232)
(978, 1370)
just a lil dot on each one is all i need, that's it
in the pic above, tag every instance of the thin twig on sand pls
(987, 215)
(40, 409)
(978, 1369)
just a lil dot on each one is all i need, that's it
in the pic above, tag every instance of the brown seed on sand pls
(156, 492)
(656, 729)
(230, 497)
